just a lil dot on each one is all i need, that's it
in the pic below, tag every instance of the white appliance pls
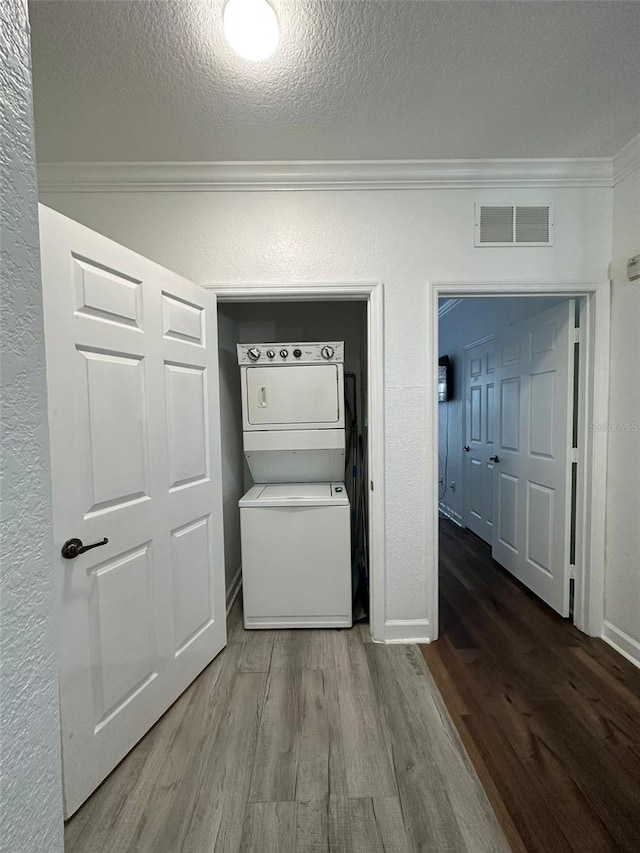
(295, 523)
(296, 549)
(283, 391)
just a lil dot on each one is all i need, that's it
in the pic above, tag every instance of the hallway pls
(549, 716)
(313, 741)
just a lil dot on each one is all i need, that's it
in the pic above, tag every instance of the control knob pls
(270, 353)
(297, 353)
(327, 352)
(284, 353)
(253, 353)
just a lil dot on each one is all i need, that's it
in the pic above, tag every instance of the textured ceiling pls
(131, 81)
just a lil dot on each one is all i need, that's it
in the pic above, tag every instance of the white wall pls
(400, 237)
(30, 774)
(622, 582)
(471, 320)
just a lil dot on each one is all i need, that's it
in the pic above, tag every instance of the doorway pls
(593, 381)
(506, 433)
(351, 311)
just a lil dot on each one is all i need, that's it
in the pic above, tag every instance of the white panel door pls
(135, 450)
(532, 494)
(480, 439)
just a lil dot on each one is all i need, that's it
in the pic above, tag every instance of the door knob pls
(466, 448)
(73, 548)
(494, 459)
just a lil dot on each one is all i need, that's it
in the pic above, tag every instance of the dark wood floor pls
(550, 717)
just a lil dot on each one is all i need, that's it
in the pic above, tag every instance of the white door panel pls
(187, 425)
(192, 593)
(182, 320)
(541, 426)
(475, 408)
(480, 436)
(510, 407)
(532, 478)
(507, 528)
(476, 492)
(132, 380)
(539, 525)
(122, 638)
(113, 424)
(490, 409)
(488, 501)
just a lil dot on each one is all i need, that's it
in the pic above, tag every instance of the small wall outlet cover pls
(633, 268)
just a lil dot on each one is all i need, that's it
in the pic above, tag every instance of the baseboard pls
(234, 589)
(407, 631)
(451, 514)
(621, 642)
(279, 623)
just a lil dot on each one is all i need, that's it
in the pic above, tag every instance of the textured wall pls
(30, 797)
(622, 589)
(403, 238)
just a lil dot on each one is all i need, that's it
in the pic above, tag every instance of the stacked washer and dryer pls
(295, 520)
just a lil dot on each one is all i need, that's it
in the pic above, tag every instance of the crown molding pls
(626, 161)
(323, 175)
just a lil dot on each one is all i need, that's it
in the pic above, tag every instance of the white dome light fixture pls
(251, 28)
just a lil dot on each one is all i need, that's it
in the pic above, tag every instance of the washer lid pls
(295, 491)
(296, 494)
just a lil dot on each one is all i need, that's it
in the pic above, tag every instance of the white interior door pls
(480, 439)
(133, 411)
(532, 495)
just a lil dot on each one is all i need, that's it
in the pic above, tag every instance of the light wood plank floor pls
(296, 742)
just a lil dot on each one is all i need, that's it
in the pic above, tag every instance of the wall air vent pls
(513, 226)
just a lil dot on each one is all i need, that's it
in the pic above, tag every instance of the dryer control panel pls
(291, 353)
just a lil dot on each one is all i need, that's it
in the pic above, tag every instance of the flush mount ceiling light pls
(251, 28)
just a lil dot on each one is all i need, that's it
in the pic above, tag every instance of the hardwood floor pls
(296, 742)
(549, 716)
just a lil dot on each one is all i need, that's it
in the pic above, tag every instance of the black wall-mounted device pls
(444, 379)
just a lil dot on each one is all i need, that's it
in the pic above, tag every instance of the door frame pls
(595, 335)
(372, 294)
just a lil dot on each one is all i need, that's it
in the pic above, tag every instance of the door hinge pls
(572, 572)
(575, 454)
(576, 335)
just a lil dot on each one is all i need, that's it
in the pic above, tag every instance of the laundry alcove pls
(279, 322)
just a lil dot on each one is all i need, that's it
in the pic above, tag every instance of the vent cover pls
(513, 226)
